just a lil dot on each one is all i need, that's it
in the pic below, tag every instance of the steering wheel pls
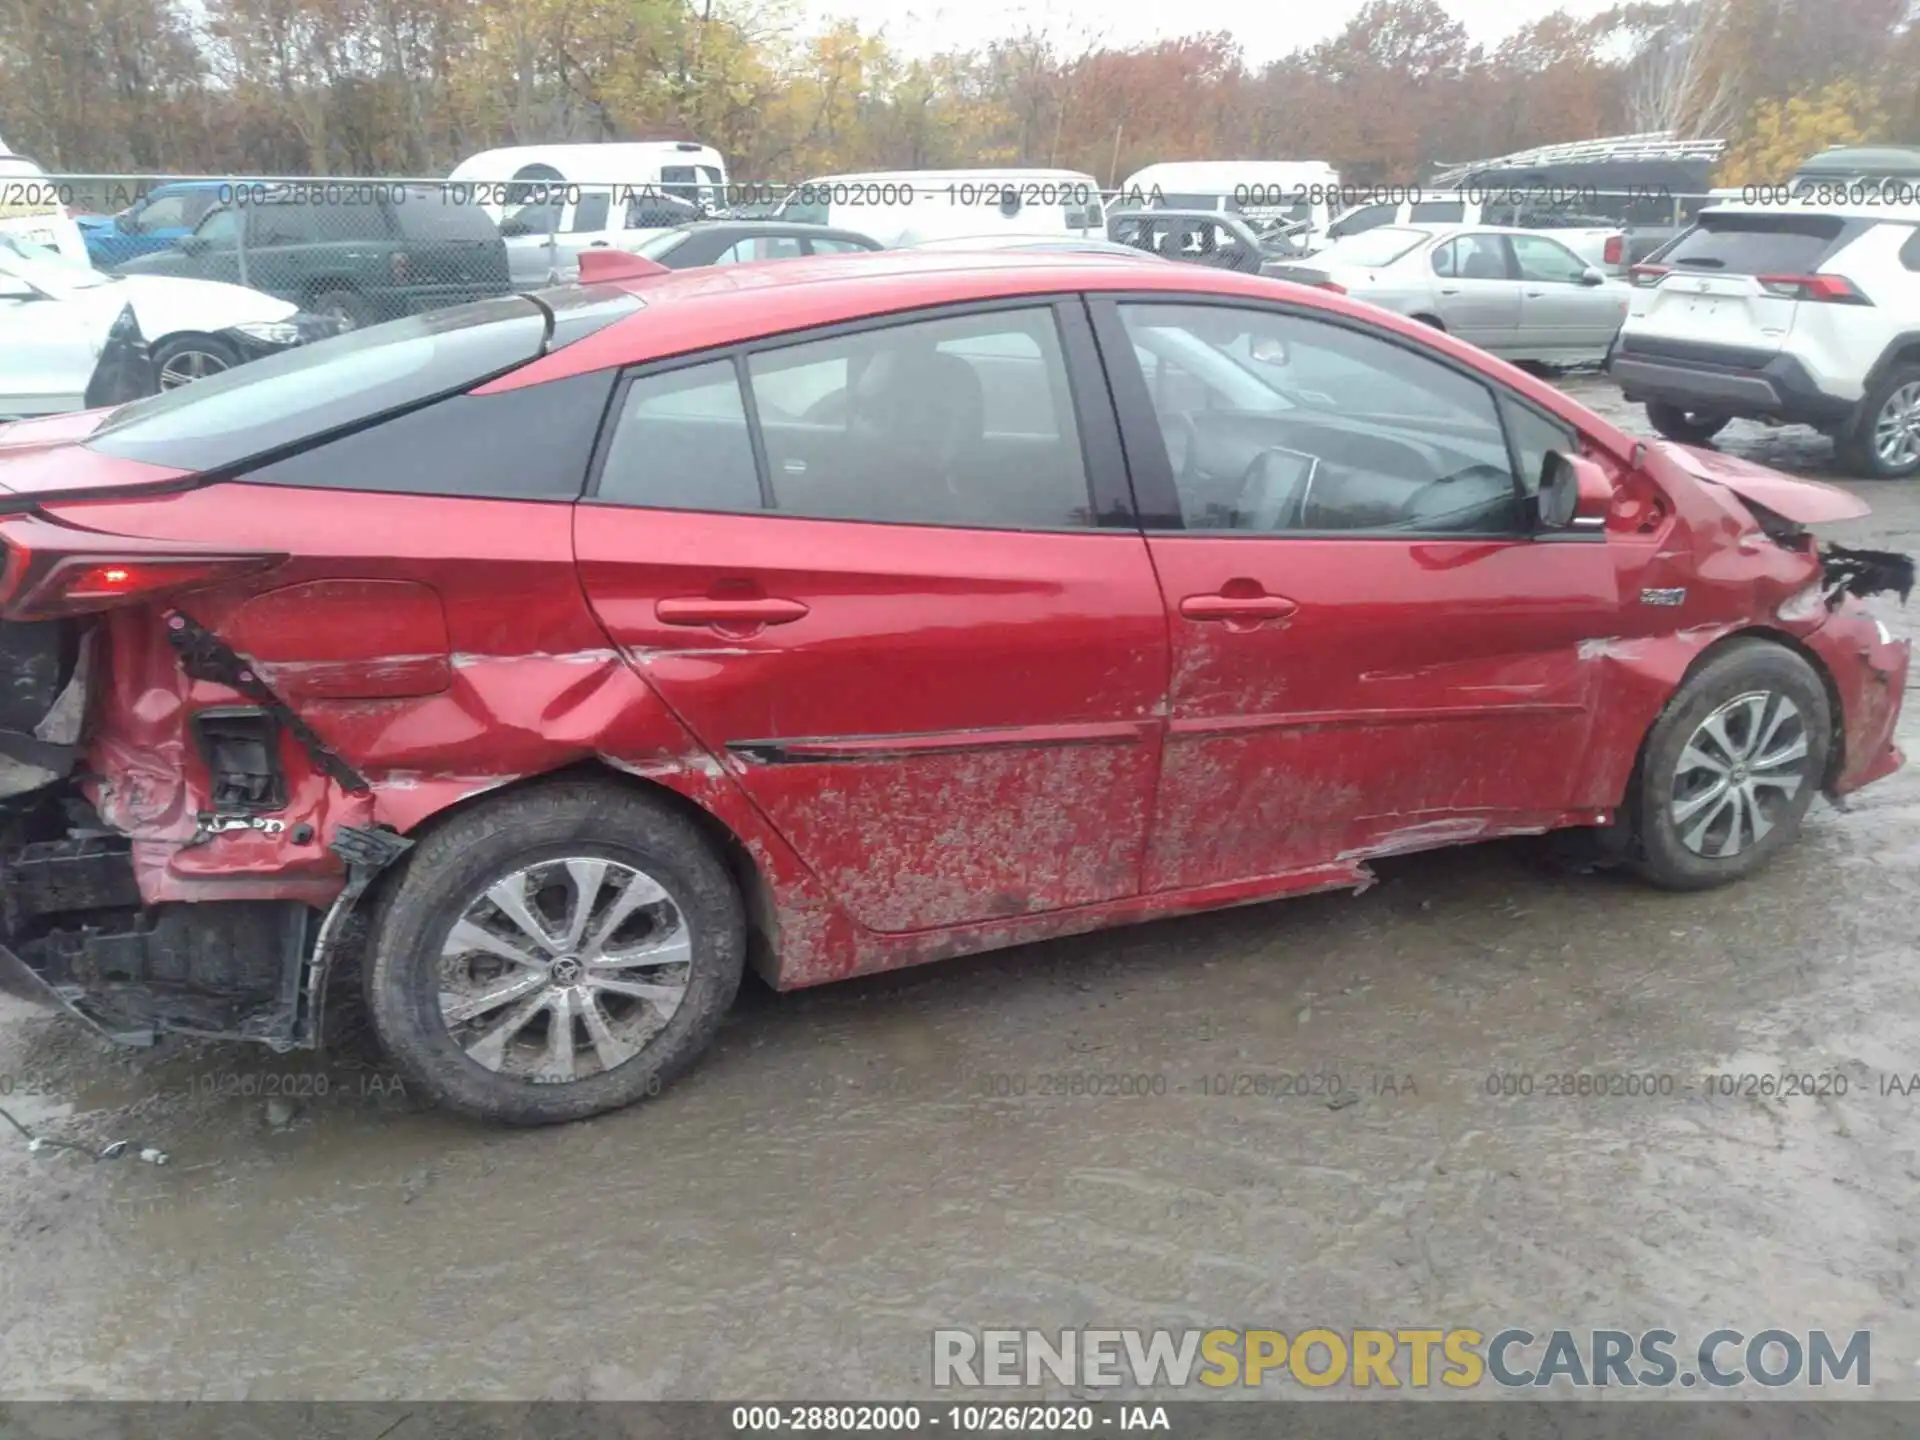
(1272, 492)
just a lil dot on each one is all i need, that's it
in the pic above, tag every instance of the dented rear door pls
(885, 578)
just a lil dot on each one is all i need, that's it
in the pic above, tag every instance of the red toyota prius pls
(555, 657)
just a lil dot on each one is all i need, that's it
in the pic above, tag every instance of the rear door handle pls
(1237, 607)
(704, 610)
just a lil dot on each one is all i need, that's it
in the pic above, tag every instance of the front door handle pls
(1237, 607)
(705, 610)
(1450, 290)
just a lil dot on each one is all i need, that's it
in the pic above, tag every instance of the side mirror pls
(125, 223)
(1575, 494)
(1591, 276)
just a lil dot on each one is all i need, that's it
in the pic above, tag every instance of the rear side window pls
(590, 213)
(1365, 218)
(1764, 244)
(296, 222)
(963, 421)
(1910, 252)
(533, 443)
(425, 218)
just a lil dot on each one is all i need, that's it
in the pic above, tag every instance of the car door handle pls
(596, 245)
(705, 610)
(1450, 290)
(1237, 607)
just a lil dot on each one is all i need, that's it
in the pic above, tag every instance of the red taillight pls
(1647, 276)
(1616, 249)
(41, 586)
(1828, 289)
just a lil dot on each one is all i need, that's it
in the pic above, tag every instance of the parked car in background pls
(1860, 174)
(361, 251)
(739, 242)
(567, 652)
(1297, 197)
(34, 208)
(1215, 238)
(1646, 186)
(903, 207)
(1518, 294)
(1597, 241)
(1806, 313)
(56, 317)
(163, 215)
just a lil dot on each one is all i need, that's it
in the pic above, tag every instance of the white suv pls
(1791, 314)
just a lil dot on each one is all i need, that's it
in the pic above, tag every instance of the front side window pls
(1547, 261)
(962, 421)
(289, 223)
(220, 229)
(1277, 424)
(760, 247)
(164, 212)
(1365, 218)
(834, 247)
(1534, 434)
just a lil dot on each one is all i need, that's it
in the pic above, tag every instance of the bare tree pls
(1684, 78)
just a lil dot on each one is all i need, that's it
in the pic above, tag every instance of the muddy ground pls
(854, 1166)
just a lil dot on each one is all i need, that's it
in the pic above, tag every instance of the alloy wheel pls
(184, 367)
(1896, 430)
(564, 970)
(1738, 774)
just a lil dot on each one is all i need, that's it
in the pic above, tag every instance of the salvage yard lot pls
(1309, 1113)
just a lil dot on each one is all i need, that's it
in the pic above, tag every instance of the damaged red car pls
(553, 658)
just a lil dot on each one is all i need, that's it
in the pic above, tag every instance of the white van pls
(553, 201)
(905, 207)
(34, 208)
(1297, 193)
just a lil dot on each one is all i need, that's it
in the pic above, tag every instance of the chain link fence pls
(365, 249)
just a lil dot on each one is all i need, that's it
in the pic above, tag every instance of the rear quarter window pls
(427, 216)
(1761, 244)
(531, 443)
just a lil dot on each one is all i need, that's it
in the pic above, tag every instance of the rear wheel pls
(1689, 427)
(560, 952)
(1883, 442)
(1731, 767)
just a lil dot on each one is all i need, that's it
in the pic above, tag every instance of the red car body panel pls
(935, 741)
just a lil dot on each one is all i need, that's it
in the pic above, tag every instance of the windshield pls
(1371, 249)
(303, 393)
(654, 246)
(47, 269)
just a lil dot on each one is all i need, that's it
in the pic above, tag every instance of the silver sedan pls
(1518, 294)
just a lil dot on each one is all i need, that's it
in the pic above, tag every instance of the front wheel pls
(182, 359)
(1689, 427)
(557, 953)
(1731, 767)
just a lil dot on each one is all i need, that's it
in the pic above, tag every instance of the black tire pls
(1661, 786)
(1689, 427)
(1855, 444)
(348, 305)
(450, 870)
(203, 354)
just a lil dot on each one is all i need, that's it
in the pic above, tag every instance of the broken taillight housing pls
(52, 570)
(1828, 289)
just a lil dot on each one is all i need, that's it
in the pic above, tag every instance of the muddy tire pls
(1689, 427)
(557, 952)
(1730, 767)
(1882, 442)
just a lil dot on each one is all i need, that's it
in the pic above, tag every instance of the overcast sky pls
(1266, 29)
